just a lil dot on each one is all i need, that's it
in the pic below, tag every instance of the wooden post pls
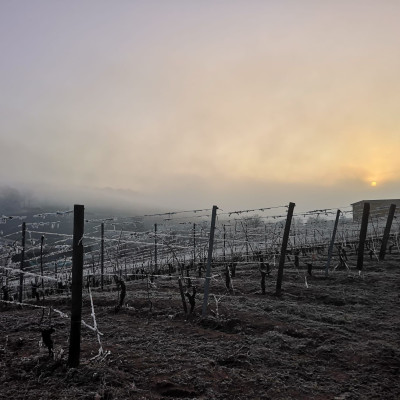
(331, 244)
(209, 259)
(21, 275)
(194, 244)
(363, 235)
(77, 278)
(41, 260)
(155, 250)
(102, 257)
(182, 295)
(247, 244)
(265, 238)
(224, 243)
(386, 233)
(283, 248)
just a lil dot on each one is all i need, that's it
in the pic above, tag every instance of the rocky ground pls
(323, 338)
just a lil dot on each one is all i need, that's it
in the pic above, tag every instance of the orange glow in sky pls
(202, 102)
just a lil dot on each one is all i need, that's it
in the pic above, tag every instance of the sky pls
(187, 104)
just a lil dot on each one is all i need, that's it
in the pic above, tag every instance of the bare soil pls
(323, 338)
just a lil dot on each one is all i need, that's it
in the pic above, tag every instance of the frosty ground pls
(323, 338)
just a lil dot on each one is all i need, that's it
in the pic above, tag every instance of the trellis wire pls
(129, 246)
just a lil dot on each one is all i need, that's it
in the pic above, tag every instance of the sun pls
(373, 183)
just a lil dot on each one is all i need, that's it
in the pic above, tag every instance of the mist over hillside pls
(38, 206)
(104, 202)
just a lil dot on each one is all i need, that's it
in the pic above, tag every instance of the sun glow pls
(373, 183)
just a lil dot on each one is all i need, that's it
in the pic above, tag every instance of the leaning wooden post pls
(363, 235)
(386, 233)
(209, 259)
(77, 278)
(21, 275)
(102, 257)
(285, 240)
(330, 251)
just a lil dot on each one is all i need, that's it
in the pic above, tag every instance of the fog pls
(179, 105)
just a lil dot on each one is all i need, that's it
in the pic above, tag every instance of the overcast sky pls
(186, 104)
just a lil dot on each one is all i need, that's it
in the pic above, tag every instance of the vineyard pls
(267, 303)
